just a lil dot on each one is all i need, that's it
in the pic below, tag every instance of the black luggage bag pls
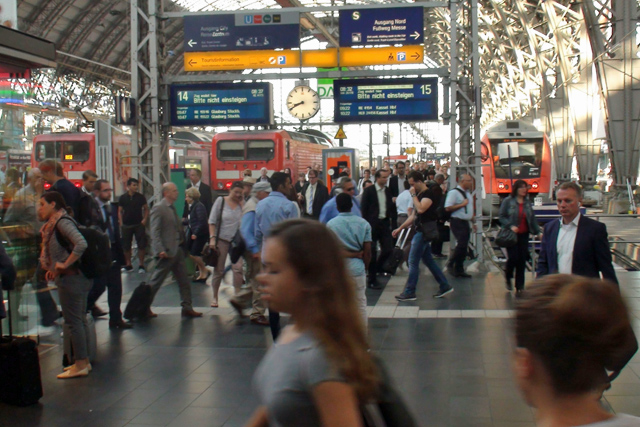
(20, 380)
(139, 304)
(397, 254)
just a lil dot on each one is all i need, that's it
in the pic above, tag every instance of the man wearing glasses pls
(396, 182)
(330, 209)
(112, 281)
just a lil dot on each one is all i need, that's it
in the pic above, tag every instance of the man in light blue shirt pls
(270, 211)
(251, 297)
(355, 234)
(330, 210)
(460, 203)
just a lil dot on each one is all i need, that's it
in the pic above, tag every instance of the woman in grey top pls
(573, 337)
(73, 287)
(320, 369)
(222, 229)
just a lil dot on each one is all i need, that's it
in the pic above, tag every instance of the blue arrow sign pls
(242, 31)
(396, 25)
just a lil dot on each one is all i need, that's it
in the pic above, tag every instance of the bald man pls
(167, 243)
(460, 203)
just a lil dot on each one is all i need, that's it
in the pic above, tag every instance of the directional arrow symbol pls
(416, 56)
(415, 35)
(191, 43)
(192, 62)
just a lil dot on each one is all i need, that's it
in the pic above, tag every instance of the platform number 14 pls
(426, 89)
(183, 96)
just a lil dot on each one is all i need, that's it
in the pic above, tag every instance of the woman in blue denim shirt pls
(517, 214)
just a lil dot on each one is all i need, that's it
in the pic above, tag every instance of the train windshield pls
(263, 150)
(69, 151)
(526, 157)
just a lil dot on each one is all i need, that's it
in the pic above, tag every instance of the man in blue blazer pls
(575, 244)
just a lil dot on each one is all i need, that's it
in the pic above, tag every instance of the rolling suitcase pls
(20, 381)
(139, 303)
(397, 255)
(92, 344)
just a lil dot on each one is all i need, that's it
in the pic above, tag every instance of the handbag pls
(238, 247)
(387, 409)
(506, 238)
(210, 253)
(429, 230)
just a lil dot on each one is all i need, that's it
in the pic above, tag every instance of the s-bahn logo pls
(262, 19)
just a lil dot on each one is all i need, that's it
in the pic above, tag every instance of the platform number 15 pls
(426, 89)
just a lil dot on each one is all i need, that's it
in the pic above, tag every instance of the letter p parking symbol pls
(282, 60)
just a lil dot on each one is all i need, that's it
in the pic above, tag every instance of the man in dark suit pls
(195, 175)
(112, 281)
(378, 209)
(313, 196)
(575, 244)
(396, 182)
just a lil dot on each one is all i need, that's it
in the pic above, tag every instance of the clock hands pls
(295, 105)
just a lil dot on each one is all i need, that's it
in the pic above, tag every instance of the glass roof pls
(231, 5)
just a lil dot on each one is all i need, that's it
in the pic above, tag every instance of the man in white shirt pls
(575, 244)
(461, 208)
(313, 196)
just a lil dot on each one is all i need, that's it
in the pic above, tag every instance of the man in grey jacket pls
(167, 242)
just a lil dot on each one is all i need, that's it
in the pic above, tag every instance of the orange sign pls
(361, 57)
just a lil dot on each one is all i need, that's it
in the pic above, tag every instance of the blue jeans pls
(421, 250)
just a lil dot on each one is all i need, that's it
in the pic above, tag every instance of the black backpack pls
(96, 259)
(443, 214)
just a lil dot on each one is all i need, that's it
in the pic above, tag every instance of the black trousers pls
(436, 245)
(112, 281)
(48, 307)
(518, 255)
(380, 233)
(274, 324)
(462, 232)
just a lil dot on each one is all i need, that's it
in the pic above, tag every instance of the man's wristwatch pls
(412, 195)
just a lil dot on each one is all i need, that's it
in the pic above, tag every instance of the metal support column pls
(150, 140)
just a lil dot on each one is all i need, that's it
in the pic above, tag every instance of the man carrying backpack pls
(461, 208)
(443, 231)
(112, 280)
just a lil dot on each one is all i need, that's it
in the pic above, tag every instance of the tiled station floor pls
(450, 358)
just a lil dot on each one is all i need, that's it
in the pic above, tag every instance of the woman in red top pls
(517, 214)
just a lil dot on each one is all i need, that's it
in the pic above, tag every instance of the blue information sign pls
(396, 25)
(388, 100)
(214, 104)
(242, 31)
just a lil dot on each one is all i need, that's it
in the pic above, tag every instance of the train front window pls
(230, 150)
(525, 163)
(260, 150)
(48, 150)
(75, 151)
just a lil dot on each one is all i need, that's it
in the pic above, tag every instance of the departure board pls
(213, 104)
(385, 100)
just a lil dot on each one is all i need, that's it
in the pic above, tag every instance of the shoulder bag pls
(506, 238)
(210, 253)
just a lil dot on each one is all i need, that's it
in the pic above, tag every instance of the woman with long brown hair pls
(320, 367)
(571, 332)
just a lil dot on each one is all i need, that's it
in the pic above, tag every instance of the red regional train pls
(513, 150)
(235, 151)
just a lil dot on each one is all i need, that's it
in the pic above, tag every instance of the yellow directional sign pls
(360, 57)
(340, 134)
(325, 58)
(241, 60)
(410, 150)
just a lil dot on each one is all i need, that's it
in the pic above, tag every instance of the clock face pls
(303, 102)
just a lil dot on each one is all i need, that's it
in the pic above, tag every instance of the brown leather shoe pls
(191, 313)
(151, 314)
(262, 321)
(98, 312)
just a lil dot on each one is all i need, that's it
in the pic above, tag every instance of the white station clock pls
(303, 102)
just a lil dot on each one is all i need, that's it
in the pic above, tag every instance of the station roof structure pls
(522, 42)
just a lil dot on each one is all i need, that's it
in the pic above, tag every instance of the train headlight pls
(534, 186)
(228, 185)
(47, 186)
(220, 185)
(78, 185)
(501, 186)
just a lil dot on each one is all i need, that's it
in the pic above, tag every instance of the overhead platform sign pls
(242, 31)
(385, 100)
(398, 25)
(214, 104)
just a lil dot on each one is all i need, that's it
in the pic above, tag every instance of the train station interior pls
(544, 93)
